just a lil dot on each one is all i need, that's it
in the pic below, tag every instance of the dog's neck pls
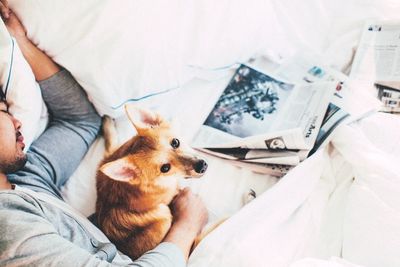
(133, 198)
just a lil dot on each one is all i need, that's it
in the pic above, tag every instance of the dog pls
(138, 180)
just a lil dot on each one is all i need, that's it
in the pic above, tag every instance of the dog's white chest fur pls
(170, 182)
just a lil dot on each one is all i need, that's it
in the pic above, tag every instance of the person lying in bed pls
(37, 228)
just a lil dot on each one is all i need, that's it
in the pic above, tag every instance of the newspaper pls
(306, 68)
(258, 111)
(378, 61)
(266, 122)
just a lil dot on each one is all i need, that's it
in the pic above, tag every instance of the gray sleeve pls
(27, 238)
(74, 124)
(165, 254)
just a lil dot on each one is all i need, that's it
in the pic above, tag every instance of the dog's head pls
(155, 156)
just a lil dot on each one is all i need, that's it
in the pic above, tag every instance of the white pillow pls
(23, 93)
(125, 49)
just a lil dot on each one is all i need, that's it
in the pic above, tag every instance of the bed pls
(340, 207)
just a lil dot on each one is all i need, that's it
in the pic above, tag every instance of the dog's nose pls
(200, 166)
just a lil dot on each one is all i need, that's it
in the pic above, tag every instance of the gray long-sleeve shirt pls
(36, 232)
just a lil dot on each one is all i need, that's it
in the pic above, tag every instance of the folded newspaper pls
(377, 61)
(271, 122)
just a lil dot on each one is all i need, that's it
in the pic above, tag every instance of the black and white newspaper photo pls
(249, 104)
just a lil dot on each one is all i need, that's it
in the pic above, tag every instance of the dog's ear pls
(120, 170)
(142, 118)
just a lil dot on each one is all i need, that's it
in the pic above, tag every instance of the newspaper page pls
(378, 61)
(306, 68)
(258, 155)
(277, 170)
(258, 111)
(389, 97)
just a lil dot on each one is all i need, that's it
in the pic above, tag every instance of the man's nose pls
(16, 122)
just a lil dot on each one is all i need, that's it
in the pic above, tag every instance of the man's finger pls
(4, 3)
(4, 10)
(186, 189)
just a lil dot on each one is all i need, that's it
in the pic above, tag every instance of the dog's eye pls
(165, 168)
(175, 143)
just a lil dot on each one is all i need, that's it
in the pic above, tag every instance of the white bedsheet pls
(123, 49)
(319, 211)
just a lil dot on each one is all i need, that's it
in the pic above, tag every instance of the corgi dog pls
(138, 180)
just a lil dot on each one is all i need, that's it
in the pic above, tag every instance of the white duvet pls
(338, 208)
(342, 202)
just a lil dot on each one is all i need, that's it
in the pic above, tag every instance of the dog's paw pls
(107, 124)
(249, 196)
(109, 133)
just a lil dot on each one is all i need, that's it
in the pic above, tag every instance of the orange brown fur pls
(134, 214)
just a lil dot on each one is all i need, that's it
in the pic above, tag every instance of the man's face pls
(12, 157)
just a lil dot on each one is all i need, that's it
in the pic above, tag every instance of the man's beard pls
(11, 167)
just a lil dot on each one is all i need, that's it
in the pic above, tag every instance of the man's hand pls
(4, 10)
(42, 65)
(189, 211)
(190, 216)
(12, 22)
(15, 27)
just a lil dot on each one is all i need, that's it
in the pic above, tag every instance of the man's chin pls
(21, 161)
(16, 165)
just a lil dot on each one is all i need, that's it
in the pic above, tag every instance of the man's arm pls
(74, 123)
(29, 239)
(190, 216)
(43, 66)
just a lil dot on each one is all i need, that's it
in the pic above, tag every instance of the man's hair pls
(2, 95)
(19, 161)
